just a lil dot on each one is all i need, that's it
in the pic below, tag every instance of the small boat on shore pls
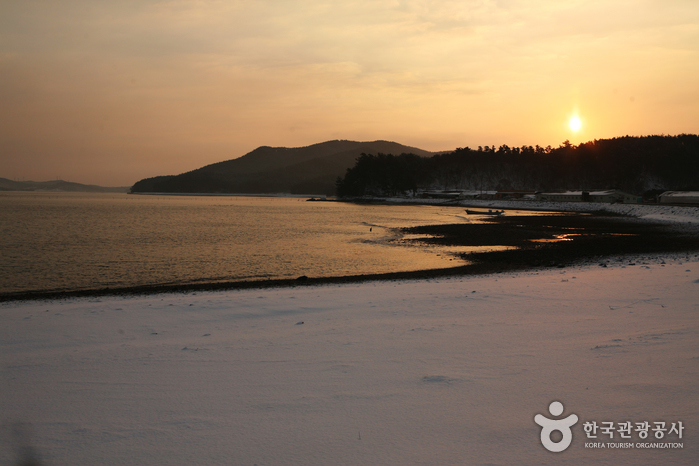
(482, 212)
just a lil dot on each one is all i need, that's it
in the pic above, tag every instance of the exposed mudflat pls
(559, 240)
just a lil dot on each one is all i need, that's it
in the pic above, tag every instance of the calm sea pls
(67, 241)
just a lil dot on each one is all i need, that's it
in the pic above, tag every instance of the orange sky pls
(106, 92)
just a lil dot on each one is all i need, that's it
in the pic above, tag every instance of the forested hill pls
(632, 164)
(301, 170)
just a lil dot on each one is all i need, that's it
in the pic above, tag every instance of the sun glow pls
(574, 123)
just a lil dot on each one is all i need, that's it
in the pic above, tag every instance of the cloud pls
(218, 78)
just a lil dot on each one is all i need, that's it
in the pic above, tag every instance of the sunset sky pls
(109, 92)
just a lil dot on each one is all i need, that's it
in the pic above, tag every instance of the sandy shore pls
(441, 371)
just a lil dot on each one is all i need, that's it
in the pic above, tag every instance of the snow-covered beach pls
(448, 371)
(680, 215)
(440, 371)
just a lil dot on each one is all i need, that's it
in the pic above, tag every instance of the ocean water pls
(68, 241)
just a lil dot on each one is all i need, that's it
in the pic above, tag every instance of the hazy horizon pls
(109, 93)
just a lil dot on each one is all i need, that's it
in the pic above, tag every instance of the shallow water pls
(69, 241)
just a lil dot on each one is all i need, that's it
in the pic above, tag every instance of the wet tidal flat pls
(557, 240)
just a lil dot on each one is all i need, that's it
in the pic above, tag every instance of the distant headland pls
(57, 186)
(298, 170)
(637, 165)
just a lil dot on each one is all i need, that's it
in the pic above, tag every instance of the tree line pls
(636, 165)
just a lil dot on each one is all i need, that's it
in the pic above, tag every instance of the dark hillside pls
(301, 170)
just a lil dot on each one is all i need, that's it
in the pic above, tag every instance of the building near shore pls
(460, 195)
(487, 195)
(514, 194)
(441, 194)
(679, 197)
(463, 195)
(609, 196)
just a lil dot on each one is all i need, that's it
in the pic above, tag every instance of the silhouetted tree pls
(632, 164)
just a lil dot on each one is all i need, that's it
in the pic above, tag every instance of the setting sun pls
(575, 124)
(233, 76)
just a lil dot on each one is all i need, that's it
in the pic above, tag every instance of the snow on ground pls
(448, 371)
(677, 214)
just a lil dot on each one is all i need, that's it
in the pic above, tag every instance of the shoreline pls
(463, 271)
(666, 212)
(302, 281)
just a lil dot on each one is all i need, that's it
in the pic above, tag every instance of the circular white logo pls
(561, 425)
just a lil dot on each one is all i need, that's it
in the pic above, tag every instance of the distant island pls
(638, 165)
(57, 186)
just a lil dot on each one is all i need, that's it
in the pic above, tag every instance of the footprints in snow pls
(437, 379)
(619, 346)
